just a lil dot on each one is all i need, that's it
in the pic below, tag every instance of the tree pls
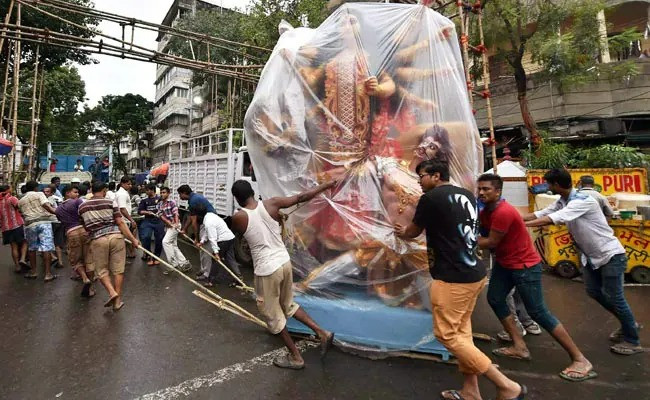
(260, 25)
(561, 36)
(52, 56)
(116, 118)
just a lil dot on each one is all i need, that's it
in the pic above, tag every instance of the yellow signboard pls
(608, 180)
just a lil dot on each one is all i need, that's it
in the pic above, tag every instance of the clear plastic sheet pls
(316, 116)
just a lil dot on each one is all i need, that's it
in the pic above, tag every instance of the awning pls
(160, 170)
(5, 147)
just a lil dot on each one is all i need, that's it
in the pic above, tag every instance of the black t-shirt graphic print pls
(450, 217)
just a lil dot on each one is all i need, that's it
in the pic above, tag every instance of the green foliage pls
(52, 56)
(116, 118)
(260, 26)
(610, 156)
(562, 155)
(548, 155)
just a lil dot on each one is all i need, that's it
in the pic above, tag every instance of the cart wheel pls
(243, 252)
(640, 274)
(566, 269)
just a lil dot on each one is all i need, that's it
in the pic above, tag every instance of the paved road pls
(166, 343)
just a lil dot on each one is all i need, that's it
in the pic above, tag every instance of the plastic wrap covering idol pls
(363, 99)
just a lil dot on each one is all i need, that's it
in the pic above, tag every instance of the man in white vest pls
(259, 222)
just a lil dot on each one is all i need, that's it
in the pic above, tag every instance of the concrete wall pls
(601, 99)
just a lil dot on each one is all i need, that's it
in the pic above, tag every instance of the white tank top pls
(264, 237)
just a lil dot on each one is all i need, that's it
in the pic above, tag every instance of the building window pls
(184, 93)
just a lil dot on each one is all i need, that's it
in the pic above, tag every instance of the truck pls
(210, 164)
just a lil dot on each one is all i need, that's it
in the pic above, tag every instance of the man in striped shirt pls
(106, 232)
(168, 213)
(11, 223)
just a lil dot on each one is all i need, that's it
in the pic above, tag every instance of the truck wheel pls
(640, 274)
(243, 252)
(566, 269)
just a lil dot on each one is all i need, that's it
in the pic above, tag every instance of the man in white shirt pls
(603, 256)
(110, 194)
(123, 202)
(220, 241)
(78, 166)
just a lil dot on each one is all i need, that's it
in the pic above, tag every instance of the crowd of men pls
(95, 223)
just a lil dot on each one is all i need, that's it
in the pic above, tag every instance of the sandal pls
(118, 307)
(626, 349)
(325, 347)
(522, 393)
(451, 395)
(156, 262)
(24, 264)
(85, 292)
(577, 376)
(30, 276)
(284, 361)
(111, 301)
(506, 352)
(50, 278)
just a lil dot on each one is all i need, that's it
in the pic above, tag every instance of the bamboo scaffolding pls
(16, 84)
(32, 132)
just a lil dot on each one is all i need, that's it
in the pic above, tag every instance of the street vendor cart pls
(556, 245)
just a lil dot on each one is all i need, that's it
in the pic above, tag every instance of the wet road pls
(166, 343)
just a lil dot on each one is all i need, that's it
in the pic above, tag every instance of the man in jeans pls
(519, 266)
(151, 223)
(37, 210)
(103, 222)
(168, 213)
(603, 256)
(450, 217)
(13, 232)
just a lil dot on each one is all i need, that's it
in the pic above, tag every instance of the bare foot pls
(511, 393)
(512, 352)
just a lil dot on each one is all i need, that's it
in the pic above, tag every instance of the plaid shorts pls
(40, 237)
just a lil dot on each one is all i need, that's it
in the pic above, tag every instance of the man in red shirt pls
(519, 266)
(11, 223)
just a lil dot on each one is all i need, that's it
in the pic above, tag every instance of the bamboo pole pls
(464, 41)
(486, 89)
(38, 114)
(16, 83)
(7, 19)
(237, 278)
(6, 84)
(33, 128)
(206, 293)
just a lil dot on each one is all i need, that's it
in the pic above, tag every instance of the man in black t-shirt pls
(450, 217)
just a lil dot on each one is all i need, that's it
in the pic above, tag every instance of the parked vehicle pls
(210, 164)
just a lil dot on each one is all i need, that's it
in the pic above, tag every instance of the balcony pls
(547, 103)
(174, 105)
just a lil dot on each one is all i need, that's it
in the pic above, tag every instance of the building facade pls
(177, 112)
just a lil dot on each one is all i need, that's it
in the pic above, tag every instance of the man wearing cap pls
(587, 187)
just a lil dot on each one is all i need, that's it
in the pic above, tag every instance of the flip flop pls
(626, 349)
(118, 308)
(451, 395)
(23, 264)
(31, 276)
(522, 394)
(503, 352)
(326, 346)
(284, 361)
(50, 278)
(85, 292)
(582, 375)
(111, 301)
